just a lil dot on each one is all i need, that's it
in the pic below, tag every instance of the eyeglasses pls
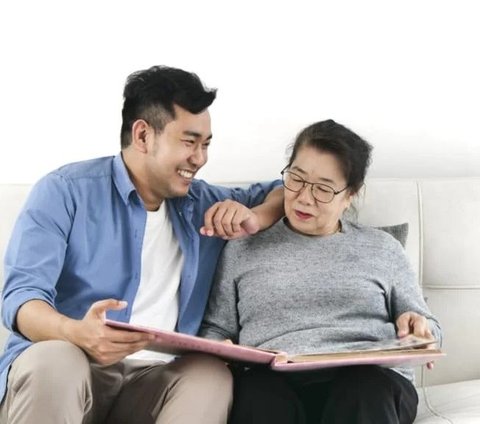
(321, 192)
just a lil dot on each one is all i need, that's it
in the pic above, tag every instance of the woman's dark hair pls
(151, 94)
(350, 149)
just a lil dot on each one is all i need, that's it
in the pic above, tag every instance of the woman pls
(317, 282)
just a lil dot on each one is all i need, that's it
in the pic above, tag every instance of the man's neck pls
(150, 200)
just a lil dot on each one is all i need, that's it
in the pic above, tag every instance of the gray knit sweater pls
(301, 294)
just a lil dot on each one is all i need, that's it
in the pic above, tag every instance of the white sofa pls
(444, 247)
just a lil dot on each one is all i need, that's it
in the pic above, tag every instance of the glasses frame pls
(305, 182)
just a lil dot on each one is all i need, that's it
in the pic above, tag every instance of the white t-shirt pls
(156, 302)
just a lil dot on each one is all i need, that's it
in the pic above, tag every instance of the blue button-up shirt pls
(79, 239)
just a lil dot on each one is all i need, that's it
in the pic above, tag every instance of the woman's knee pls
(263, 396)
(368, 377)
(373, 385)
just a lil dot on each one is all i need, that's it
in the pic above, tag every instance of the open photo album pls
(406, 351)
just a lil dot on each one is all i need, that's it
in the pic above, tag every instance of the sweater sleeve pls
(221, 318)
(406, 294)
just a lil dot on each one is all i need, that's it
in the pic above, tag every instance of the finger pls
(243, 223)
(115, 352)
(208, 227)
(204, 231)
(243, 220)
(241, 233)
(420, 326)
(403, 325)
(217, 222)
(428, 334)
(424, 331)
(127, 348)
(236, 221)
(225, 225)
(99, 308)
(122, 336)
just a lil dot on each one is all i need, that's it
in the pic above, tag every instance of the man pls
(119, 236)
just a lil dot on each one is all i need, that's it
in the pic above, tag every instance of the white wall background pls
(405, 75)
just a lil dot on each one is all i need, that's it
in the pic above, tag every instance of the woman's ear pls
(347, 201)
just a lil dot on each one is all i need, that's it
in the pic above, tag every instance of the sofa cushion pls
(399, 231)
(456, 403)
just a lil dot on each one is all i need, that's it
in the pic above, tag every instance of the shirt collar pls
(121, 178)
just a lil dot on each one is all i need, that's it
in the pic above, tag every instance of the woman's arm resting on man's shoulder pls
(230, 219)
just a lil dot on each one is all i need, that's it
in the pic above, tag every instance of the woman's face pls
(305, 214)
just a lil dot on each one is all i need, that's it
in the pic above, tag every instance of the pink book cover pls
(179, 343)
(387, 353)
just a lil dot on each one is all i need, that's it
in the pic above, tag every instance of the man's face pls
(177, 153)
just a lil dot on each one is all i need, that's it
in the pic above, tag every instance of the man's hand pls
(229, 220)
(416, 324)
(103, 344)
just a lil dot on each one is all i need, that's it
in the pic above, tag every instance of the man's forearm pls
(38, 321)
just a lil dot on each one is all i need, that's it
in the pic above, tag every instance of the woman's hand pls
(412, 323)
(229, 220)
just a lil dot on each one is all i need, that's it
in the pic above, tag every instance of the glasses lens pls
(292, 181)
(323, 193)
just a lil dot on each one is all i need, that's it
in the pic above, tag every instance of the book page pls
(408, 342)
(389, 358)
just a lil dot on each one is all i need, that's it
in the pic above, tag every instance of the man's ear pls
(141, 132)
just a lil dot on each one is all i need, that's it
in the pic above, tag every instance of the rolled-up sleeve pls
(35, 254)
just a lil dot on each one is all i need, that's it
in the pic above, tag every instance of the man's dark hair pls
(151, 94)
(353, 152)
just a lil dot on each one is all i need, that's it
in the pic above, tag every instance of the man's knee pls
(49, 382)
(199, 388)
(205, 370)
(49, 363)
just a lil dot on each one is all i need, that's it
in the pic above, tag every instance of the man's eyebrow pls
(322, 179)
(196, 134)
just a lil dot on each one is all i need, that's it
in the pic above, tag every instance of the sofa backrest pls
(443, 245)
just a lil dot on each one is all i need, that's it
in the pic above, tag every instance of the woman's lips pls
(303, 216)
